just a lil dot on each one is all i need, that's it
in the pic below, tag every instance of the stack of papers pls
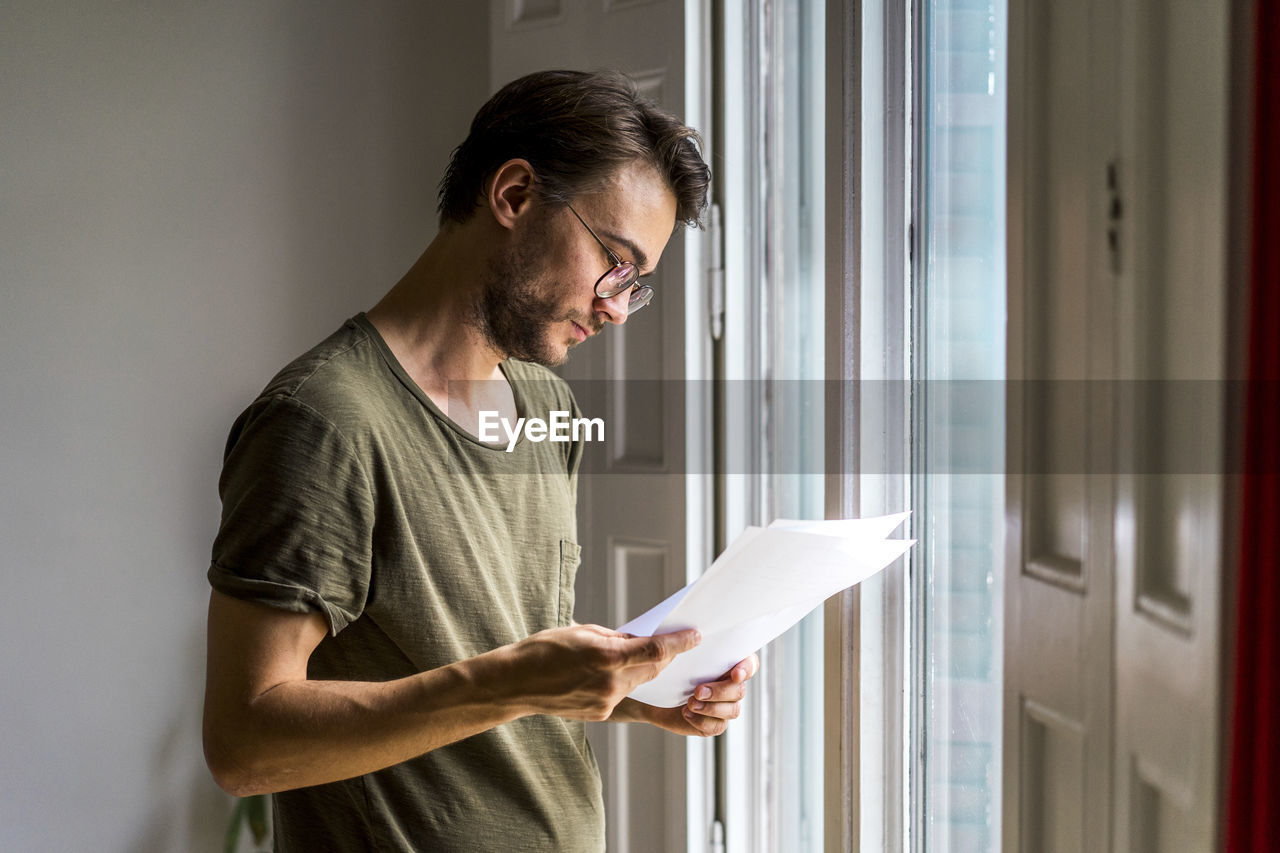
(765, 582)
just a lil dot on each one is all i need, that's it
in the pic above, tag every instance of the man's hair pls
(576, 129)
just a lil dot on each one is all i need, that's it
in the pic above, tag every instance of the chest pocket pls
(570, 557)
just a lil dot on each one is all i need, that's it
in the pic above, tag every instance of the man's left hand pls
(706, 713)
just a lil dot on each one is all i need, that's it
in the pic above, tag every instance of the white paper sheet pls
(767, 580)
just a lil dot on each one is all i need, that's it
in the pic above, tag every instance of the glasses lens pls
(617, 280)
(642, 297)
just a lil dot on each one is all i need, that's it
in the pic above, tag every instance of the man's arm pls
(268, 728)
(706, 713)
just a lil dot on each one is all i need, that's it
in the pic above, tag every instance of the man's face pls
(538, 299)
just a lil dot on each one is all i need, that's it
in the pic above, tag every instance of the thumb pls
(662, 646)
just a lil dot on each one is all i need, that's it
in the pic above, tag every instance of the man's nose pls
(615, 307)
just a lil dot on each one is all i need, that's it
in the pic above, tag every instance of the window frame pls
(868, 133)
(759, 778)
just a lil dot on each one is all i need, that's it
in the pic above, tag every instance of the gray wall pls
(190, 194)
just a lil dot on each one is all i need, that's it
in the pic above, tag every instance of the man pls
(391, 644)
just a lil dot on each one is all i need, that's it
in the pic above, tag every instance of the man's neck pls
(427, 320)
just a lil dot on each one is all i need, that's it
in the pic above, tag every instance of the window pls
(931, 403)
(958, 358)
(771, 781)
(930, 359)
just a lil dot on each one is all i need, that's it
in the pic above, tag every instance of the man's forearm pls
(305, 732)
(268, 727)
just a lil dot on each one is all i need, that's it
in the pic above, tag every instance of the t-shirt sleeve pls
(297, 515)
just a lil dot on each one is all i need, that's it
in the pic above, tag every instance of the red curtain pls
(1253, 806)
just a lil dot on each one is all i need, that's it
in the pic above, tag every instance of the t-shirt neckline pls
(393, 363)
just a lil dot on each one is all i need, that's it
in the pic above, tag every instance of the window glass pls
(790, 330)
(958, 413)
(772, 763)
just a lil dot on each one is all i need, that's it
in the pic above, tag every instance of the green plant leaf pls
(256, 812)
(232, 839)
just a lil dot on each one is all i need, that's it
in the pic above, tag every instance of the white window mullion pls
(772, 176)
(885, 443)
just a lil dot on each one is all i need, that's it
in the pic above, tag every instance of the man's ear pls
(511, 191)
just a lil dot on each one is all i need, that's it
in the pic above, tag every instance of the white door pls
(1117, 271)
(1170, 516)
(1059, 566)
(634, 502)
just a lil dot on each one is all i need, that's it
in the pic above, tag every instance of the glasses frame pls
(643, 293)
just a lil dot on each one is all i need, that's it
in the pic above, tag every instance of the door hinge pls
(715, 273)
(1115, 212)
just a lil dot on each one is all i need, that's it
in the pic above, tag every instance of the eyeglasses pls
(620, 277)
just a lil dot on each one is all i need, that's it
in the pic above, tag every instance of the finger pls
(661, 647)
(741, 672)
(704, 725)
(680, 641)
(744, 669)
(719, 691)
(715, 710)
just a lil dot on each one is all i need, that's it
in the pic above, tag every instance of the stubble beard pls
(515, 309)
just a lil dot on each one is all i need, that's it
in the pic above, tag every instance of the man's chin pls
(559, 357)
(550, 355)
(556, 352)
(554, 359)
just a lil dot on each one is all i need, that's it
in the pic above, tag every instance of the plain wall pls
(190, 195)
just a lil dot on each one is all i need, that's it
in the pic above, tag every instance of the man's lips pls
(580, 333)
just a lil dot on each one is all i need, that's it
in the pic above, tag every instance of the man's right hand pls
(582, 672)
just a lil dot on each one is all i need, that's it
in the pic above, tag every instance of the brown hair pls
(576, 129)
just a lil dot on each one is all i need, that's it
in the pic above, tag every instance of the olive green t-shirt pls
(345, 491)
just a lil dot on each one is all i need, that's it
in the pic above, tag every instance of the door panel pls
(1169, 543)
(1053, 753)
(1058, 658)
(1117, 314)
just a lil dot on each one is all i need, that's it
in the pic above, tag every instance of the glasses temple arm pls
(614, 259)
